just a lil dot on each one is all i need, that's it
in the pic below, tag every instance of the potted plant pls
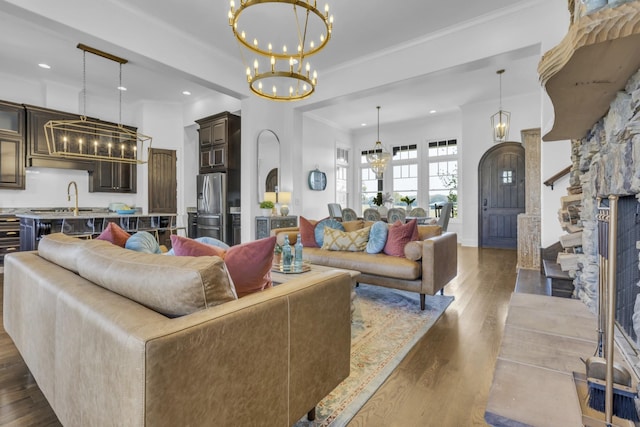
(409, 201)
(267, 207)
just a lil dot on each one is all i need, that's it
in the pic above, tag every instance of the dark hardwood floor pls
(444, 380)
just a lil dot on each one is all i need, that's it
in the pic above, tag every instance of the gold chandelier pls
(500, 120)
(95, 140)
(379, 157)
(278, 73)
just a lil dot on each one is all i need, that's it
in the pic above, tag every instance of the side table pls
(264, 224)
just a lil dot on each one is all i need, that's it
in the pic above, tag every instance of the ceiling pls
(27, 39)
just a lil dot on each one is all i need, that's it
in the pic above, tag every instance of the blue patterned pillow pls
(319, 229)
(377, 237)
(143, 241)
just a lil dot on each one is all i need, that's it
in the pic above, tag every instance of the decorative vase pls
(266, 212)
(383, 210)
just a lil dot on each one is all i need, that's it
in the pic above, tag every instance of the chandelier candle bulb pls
(273, 64)
(64, 143)
(109, 147)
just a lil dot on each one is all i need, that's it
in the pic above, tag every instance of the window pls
(405, 174)
(342, 174)
(369, 183)
(443, 175)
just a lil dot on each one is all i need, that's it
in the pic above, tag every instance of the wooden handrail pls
(554, 178)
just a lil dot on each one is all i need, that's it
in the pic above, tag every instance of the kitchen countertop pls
(63, 213)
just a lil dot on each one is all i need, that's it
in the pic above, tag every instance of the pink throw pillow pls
(399, 235)
(307, 232)
(183, 246)
(114, 234)
(249, 265)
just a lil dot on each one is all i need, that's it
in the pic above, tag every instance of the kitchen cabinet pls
(11, 146)
(219, 143)
(9, 235)
(37, 149)
(264, 224)
(113, 177)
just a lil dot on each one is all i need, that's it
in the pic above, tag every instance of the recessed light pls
(45, 66)
(186, 92)
(432, 111)
(122, 88)
(363, 124)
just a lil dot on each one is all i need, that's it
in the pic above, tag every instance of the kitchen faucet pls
(75, 186)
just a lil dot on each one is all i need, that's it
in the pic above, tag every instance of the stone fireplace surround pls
(607, 161)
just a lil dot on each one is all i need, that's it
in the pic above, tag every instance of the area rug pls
(386, 325)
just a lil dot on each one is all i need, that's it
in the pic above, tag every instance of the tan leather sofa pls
(102, 359)
(436, 265)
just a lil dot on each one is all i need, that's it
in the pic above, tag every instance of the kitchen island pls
(89, 223)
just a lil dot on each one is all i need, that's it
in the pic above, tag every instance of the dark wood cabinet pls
(113, 177)
(163, 184)
(12, 146)
(219, 143)
(37, 149)
(9, 235)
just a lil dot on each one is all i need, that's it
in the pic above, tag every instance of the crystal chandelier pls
(281, 73)
(96, 140)
(500, 120)
(379, 157)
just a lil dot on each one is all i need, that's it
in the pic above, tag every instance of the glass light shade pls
(500, 124)
(378, 159)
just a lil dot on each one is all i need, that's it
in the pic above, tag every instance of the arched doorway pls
(501, 181)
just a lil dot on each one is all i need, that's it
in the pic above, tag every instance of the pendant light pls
(500, 121)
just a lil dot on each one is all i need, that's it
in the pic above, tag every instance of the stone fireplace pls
(607, 162)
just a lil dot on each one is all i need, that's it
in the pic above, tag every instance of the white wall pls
(319, 151)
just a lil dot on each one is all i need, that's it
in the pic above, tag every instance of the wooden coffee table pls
(278, 277)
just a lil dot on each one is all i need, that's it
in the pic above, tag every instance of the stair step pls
(552, 270)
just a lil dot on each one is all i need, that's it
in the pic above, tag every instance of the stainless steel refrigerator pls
(212, 206)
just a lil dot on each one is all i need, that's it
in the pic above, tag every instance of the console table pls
(264, 224)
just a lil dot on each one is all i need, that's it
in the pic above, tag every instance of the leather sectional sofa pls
(434, 262)
(101, 358)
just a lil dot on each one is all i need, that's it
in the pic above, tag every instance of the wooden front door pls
(502, 185)
(163, 185)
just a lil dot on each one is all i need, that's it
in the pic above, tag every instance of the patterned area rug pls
(386, 325)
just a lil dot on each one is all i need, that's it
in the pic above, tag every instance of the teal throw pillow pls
(377, 237)
(318, 231)
(143, 241)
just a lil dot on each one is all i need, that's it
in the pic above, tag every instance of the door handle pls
(484, 202)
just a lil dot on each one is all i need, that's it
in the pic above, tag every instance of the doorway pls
(501, 180)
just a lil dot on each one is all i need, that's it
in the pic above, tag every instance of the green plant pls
(407, 200)
(266, 204)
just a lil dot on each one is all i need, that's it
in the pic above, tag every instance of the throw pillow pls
(249, 265)
(377, 237)
(352, 241)
(307, 233)
(143, 241)
(399, 235)
(212, 241)
(426, 231)
(413, 250)
(183, 246)
(353, 225)
(320, 226)
(114, 234)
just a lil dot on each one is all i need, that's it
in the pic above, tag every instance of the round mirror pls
(268, 162)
